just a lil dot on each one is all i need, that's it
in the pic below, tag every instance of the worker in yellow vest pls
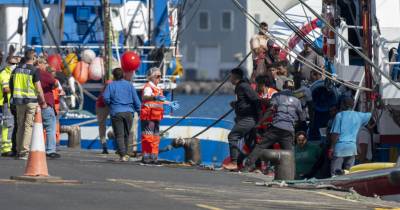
(7, 119)
(27, 92)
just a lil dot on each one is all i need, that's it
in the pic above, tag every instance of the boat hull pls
(213, 142)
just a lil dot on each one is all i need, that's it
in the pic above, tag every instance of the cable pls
(292, 26)
(302, 60)
(362, 55)
(191, 19)
(205, 99)
(214, 123)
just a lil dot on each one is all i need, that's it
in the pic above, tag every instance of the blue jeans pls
(49, 124)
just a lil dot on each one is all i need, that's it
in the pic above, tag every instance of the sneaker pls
(105, 151)
(23, 157)
(53, 155)
(155, 162)
(7, 154)
(230, 166)
(124, 158)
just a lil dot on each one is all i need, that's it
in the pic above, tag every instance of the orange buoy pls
(96, 69)
(55, 61)
(130, 61)
(81, 72)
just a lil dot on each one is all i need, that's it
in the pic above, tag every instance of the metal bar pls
(357, 96)
(107, 37)
(38, 4)
(367, 48)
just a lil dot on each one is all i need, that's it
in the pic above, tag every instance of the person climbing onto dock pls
(246, 109)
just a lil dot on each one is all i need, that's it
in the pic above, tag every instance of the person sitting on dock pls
(246, 109)
(121, 96)
(306, 155)
(346, 125)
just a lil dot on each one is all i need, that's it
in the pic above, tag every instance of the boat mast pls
(367, 48)
(107, 39)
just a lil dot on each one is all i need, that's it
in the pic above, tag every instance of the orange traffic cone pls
(37, 165)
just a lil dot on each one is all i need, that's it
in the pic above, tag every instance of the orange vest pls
(152, 110)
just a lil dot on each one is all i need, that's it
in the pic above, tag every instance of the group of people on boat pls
(275, 110)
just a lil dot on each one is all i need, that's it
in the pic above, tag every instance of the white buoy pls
(96, 69)
(88, 56)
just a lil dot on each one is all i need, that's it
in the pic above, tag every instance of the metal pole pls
(367, 48)
(107, 38)
(39, 6)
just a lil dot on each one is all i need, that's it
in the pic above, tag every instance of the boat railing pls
(342, 50)
(389, 92)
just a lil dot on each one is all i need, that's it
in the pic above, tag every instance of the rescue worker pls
(286, 111)
(151, 114)
(26, 92)
(343, 148)
(246, 109)
(7, 118)
(258, 45)
(121, 96)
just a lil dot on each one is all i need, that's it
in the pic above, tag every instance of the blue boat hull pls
(213, 143)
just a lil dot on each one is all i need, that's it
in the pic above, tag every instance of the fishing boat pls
(150, 30)
(357, 40)
(147, 28)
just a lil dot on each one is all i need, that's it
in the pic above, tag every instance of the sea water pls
(215, 107)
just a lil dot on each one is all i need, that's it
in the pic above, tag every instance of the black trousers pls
(121, 124)
(242, 127)
(271, 136)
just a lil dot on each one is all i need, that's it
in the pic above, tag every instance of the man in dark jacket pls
(246, 110)
(286, 111)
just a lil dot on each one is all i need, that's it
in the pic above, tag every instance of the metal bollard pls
(284, 163)
(74, 135)
(191, 147)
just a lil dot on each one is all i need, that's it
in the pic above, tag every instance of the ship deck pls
(107, 184)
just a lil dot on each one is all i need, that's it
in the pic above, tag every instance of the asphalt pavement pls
(107, 184)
